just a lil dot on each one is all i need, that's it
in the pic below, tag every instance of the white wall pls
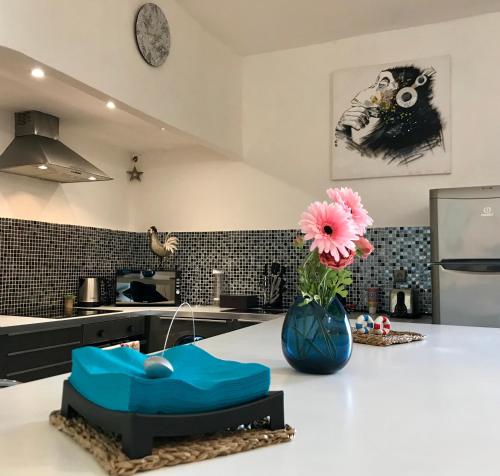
(286, 120)
(100, 204)
(287, 115)
(197, 89)
(286, 127)
(194, 190)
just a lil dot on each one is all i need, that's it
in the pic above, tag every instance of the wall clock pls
(152, 34)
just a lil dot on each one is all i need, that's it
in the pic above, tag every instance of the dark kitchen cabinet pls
(39, 351)
(42, 350)
(23, 341)
(33, 354)
(118, 329)
(182, 330)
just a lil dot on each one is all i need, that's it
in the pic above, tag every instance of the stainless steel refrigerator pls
(465, 253)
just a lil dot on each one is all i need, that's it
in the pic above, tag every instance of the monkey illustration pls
(394, 118)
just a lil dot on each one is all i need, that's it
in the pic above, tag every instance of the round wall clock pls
(152, 34)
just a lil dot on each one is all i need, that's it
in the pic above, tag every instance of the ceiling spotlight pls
(111, 105)
(162, 128)
(38, 73)
(92, 178)
(42, 167)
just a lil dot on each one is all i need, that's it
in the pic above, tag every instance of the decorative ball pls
(158, 367)
(364, 324)
(382, 325)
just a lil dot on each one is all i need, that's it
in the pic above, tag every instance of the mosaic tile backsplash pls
(40, 262)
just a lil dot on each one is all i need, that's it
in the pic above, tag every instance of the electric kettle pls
(89, 292)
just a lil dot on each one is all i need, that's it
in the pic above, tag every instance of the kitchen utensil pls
(274, 285)
(401, 302)
(372, 300)
(89, 292)
(69, 304)
(218, 286)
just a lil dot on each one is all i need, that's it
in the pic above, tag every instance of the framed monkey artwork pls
(391, 120)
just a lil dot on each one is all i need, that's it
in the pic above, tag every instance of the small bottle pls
(218, 285)
(69, 303)
(372, 300)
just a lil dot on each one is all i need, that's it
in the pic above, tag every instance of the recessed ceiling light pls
(111, 105)
(92, 178)
(162, 128)
(38, 73)
(42, 167)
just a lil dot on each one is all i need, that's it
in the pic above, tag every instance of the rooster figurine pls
(161, 249)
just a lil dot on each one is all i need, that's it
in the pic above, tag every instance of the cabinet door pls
(21, 341)
(243, 324)
(3, 356)
(30, 355)
(466, 229)
(181, 328)
(41, 372)
(20, 361)
(116, 329)
(452, 301)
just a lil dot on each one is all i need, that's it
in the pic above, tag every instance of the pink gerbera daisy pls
(351, 201)
(331, 228)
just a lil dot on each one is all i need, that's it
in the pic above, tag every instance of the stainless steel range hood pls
(37, 152)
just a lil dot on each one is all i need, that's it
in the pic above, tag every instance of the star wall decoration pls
(135, 174)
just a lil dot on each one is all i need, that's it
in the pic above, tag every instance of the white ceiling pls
(83, 109)
(257, 26)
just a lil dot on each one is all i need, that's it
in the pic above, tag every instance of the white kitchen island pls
(425, 408)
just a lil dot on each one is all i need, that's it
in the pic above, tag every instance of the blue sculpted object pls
(116, 379)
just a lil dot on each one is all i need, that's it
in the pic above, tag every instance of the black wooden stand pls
(138, 429)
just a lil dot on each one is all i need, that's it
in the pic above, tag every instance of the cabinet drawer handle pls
(100, 333)
(130, 328)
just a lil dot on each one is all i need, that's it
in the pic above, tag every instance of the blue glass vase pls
(316, 340)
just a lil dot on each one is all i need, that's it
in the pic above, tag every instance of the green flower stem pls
(297, 343)
(311, 343)
(307, 334)
(320, 283)
(331, 346)
(326, 336)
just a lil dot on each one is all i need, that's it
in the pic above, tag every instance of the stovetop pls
(58, 313)
(256, 310)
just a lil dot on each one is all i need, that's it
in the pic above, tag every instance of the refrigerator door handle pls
(472, 266)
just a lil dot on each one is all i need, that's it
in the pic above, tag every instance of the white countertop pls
(8, 321)
(425, 408)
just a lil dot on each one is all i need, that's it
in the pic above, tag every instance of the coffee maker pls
(401, 300)
(93, 291)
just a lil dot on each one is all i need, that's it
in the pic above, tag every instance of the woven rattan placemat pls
(394, 337)
(167, 452)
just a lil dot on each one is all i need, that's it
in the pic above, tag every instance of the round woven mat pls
(394, 337)
(107, 451)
